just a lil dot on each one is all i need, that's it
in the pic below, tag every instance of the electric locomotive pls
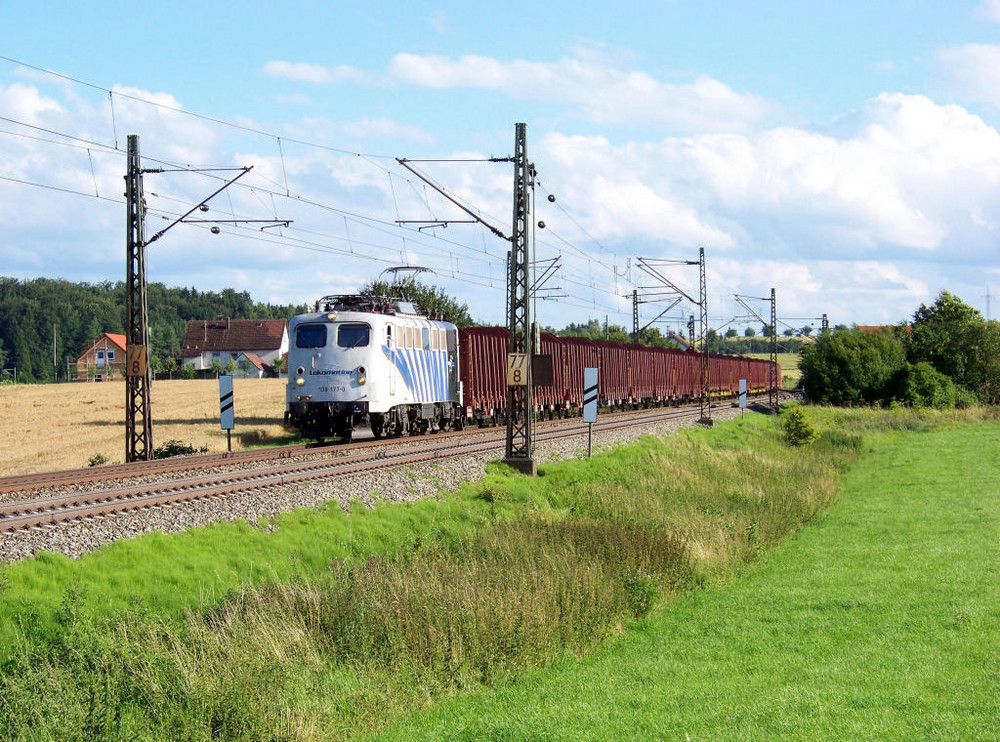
(360, 360)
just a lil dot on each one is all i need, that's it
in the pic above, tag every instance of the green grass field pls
(789, 363)
(635, 595)
(880, 622)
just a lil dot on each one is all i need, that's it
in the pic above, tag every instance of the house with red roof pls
(103, 360)
(258, 342)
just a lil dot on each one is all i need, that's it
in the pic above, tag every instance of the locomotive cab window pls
(353, 335)
(310, 336)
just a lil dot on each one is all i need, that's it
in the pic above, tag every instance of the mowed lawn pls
(881, 622)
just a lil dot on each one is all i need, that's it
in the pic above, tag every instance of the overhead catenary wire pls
(440, 244)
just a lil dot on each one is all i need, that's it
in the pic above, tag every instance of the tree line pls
(947, 356)
(45, 323)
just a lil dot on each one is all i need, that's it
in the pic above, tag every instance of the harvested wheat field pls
(61, 426)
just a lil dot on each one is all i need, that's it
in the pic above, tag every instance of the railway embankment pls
(324, 620)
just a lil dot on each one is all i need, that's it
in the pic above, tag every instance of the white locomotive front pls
(366, 359)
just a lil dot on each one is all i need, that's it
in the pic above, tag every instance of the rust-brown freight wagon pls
(483, 358)
(641, 374)
(578, 354)
(483, 353)
(690, 375)
(549, 398)
(724, 376)
(685, 374)
(663, 373)
(613, 376)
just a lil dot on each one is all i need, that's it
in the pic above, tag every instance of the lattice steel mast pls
(706, 387)
(519, 448)
(138, 419)
(651, 266)
(772, 374)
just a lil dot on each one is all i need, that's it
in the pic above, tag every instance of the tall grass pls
(553, 565)
(882, 622)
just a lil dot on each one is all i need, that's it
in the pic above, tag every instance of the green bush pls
(173, 448)
(798, 431)
(923, 386)
(851, 367)
(98, 459)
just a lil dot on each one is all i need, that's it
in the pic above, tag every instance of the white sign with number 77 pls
(517, 369)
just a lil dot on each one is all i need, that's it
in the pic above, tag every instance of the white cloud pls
(24, 103)
(973, 71)
(314, 73)
(989, 9)
(891, 203)
(439, 22)
(879, 185)
(603, 93)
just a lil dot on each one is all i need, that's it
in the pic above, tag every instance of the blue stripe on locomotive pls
(425, 373)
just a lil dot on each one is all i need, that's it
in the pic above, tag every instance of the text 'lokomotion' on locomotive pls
(360, 360)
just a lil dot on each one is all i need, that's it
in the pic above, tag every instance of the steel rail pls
(49, 511)
(91, 475)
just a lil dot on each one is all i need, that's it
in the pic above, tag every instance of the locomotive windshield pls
(353, 336)
(310, 336)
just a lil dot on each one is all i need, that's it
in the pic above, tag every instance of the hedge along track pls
(71, 508)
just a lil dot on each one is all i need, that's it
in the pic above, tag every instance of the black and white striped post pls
(227, 418)
(589, 403)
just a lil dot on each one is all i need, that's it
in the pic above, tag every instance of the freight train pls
(360, 360)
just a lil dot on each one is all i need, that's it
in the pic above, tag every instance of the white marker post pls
(743, 397)
(589, 403)
(227, 418)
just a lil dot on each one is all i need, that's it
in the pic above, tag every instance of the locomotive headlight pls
(361, 375)
(300, 370)
(300, 381)
(332, 316)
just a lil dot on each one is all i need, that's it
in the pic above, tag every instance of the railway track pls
(203, 461)
(48, 511)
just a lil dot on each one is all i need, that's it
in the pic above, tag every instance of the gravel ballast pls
(397, 484)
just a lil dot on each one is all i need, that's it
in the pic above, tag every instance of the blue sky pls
(846, 154)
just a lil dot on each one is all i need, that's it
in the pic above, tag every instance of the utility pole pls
(652, 268)
(772, 376)
(520, 290)
(706, 387)
(520, 410)
(138, 418)
(635, 315)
